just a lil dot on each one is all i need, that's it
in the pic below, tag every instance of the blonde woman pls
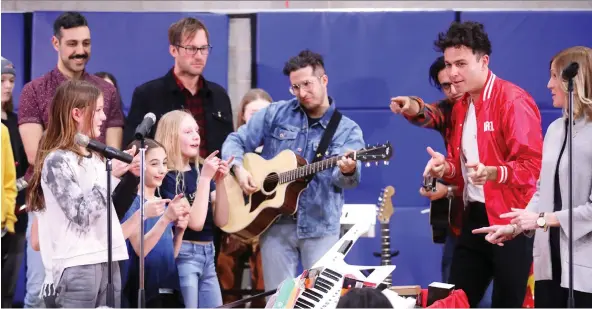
(546, 216)
(233, 250)
(178, 132)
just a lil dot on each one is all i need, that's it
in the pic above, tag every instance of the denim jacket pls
(284, 125)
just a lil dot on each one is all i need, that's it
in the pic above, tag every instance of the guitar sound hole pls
(270, 182)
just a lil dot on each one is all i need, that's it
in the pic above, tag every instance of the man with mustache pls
(72, 42)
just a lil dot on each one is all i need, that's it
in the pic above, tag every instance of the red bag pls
(456, 299)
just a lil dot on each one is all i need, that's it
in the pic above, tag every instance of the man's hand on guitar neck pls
(245, 179)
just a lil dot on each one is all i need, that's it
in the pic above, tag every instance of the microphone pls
(570, 71)
(107, 151)
(144, 127)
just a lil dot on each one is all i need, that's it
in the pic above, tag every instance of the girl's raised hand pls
(210, 165)
(223, 169)
(154, 208)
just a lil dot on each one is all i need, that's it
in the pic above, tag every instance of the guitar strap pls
(327, 136)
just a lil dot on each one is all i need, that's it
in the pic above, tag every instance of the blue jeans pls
(280, 250)
(197, 276)
(35, 273)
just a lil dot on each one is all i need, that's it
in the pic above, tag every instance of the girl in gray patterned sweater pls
(68, 191)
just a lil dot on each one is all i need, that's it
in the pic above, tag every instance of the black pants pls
(476, 262)
(550, 294)
(165, 301)
(13, 252)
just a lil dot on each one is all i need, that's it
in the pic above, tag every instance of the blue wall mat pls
(523, 44)
(369, 57)
(13, 48)
(405, 168)
(132, 46)
(548, 116)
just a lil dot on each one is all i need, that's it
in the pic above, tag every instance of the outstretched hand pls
(496, 234)
(436, 165)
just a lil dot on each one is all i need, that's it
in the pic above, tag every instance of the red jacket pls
(510, 138)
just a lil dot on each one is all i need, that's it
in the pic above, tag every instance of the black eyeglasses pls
(192, 50)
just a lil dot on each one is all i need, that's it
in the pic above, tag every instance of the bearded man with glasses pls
(299, 124)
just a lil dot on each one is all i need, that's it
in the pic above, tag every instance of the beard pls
(189, 70)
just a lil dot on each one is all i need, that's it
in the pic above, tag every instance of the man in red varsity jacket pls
(495, 151)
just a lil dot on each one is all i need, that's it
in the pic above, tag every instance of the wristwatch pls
(541, 222)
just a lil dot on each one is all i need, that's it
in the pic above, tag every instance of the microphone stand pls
(570, 86)
(141, 292)
(110, 287)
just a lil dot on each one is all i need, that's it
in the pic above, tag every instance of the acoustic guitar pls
(445, 213)
(280, 181)
(384, 212)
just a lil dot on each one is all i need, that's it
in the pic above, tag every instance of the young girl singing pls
(68, 189)
(162, 289)
(179, 133)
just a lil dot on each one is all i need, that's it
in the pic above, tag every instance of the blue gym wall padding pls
(13, 48)
(132, 46)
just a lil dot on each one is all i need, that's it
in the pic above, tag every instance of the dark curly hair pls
(437, 66)
(469, 33)
(304, 59)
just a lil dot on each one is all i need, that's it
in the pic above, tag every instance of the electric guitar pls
(280, 181)
(445, 213)
(384, 213)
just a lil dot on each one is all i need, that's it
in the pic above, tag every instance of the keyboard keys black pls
(307, 293)
(312, 292)
(305, 302)
(335, 274)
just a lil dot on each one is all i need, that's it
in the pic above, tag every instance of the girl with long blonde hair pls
(68, 191)
(178, 132)
(546, 216)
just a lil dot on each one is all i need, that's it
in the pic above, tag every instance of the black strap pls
(328, 135)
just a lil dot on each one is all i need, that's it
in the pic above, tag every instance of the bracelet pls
(516, 230)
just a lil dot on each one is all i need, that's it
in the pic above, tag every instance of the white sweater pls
(73, 226)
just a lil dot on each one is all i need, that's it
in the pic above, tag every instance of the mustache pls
(81, 56)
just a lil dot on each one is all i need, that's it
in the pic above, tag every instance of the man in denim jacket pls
(298, 125)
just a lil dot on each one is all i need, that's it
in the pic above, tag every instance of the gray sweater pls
(542, 201)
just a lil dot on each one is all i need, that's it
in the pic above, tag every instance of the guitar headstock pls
(380, 152)
(385, 204)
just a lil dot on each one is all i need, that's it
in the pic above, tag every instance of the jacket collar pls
(325, 118)
(173, 85)
(486, 91)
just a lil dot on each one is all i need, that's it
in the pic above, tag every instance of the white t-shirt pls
(470, 150)
(75, 215)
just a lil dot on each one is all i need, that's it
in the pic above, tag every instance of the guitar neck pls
(307, 170)
(385, 259)
(385, 237)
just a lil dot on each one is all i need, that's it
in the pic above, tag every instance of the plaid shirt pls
(437, 116)
(194, 103)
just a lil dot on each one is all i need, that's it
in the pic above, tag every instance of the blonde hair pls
(250, 96)
(582, 102)
(167, 133)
